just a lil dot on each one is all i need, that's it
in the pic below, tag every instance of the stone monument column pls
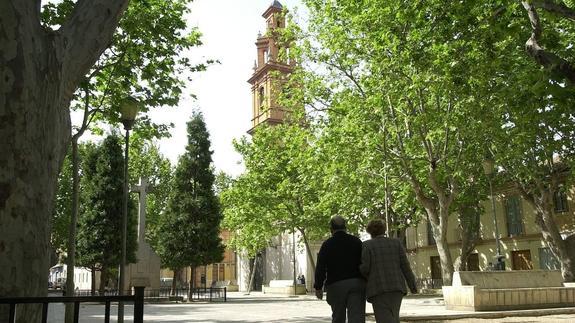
(146, 271)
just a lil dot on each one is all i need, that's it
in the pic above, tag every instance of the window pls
(430, 238)
(261, 95)
(222, 272)
(547, 260)
(473, 262)
(214, 272)
(513, 216)
(266, 56)
(521, 260)
(435, 264)
(560, 200)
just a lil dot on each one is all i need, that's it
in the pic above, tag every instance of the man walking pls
(338, 268)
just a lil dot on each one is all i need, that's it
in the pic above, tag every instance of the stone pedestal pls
(284, 287)
(146, 272)
(507, 290)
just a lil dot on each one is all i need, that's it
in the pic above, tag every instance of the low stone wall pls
(503, 290)
(283, 287)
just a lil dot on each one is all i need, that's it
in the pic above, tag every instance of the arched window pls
(261, 94)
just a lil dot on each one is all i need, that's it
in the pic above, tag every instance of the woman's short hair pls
(375, 227)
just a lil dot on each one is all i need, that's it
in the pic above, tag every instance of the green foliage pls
(99, 242)
(60, 221)
(222, 182)
(277, 192)
(145, 59)
(422, 90)
(189, 228)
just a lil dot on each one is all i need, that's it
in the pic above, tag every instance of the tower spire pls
(270, 72)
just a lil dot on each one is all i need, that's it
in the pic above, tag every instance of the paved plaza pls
(260, 308)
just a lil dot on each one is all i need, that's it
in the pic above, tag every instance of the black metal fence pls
(137, 298)
(210, 294)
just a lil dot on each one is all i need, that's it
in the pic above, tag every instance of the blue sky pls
(230, 29)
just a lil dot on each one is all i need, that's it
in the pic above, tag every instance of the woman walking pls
(386, 268)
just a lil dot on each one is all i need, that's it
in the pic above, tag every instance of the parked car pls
(60, 283)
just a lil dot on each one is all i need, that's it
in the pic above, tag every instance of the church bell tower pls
(270, 72)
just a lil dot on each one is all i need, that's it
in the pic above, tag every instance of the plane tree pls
(280, 180)
(410, 74)
(41, 68)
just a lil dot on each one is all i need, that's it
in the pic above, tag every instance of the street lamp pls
(489, 170)
(128, 110)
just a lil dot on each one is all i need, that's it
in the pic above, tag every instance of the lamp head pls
(128, 111)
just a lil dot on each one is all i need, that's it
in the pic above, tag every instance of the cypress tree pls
(99, 241)
(190, 226)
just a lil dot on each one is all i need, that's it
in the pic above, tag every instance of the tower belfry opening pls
(270, 70)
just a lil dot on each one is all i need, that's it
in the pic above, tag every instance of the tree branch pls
(84, 37)
(543, 57)
(554, 7)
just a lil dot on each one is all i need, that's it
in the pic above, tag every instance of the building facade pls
(521, 240)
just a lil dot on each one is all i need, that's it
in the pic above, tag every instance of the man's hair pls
(337, 223)
(375, 227)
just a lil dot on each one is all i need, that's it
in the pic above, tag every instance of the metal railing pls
(211, 294)
(198, 294)
(137, 299)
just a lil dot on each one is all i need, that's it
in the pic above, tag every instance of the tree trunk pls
(93, 281)
(469, 225)
(308, 250)
(104, 274)
(252, 274)
(40, 70)
(192, 283)
(439, 229)
(543, 206)
(552, 237)
(174, 279)
(71, 257)
(437, 210)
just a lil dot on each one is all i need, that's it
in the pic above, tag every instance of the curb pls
(489, 315)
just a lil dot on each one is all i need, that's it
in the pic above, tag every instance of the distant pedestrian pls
(338, 269)
(384, 263)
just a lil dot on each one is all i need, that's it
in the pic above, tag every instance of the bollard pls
(139, 305)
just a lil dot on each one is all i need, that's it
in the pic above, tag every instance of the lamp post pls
(128, 110)
(489, 170)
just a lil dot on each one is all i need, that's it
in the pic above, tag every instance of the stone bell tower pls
(270, 72)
